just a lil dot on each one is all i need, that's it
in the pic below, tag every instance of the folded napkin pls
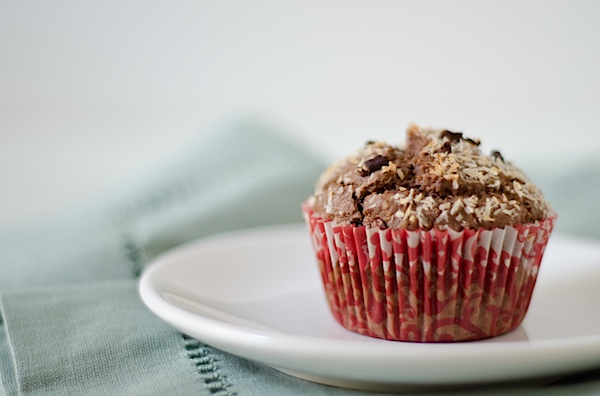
(71, 318)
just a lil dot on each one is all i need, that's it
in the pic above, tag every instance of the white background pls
(94, 94)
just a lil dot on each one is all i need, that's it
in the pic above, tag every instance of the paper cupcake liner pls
(428, 286)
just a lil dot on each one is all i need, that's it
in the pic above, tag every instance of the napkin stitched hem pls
(214, 380)
(134, 251)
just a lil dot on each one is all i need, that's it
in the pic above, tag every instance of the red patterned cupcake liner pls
(428, 286)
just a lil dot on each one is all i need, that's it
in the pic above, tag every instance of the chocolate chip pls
(369, 142)
(452, 136)
(457, 136)
(475, 142)
(372, 165)
(446, 148)
(496, 154)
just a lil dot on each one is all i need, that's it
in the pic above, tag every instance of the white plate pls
(257, 294)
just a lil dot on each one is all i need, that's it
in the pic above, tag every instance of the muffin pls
(433, 241)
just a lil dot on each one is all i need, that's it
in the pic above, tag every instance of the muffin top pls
(439, 179)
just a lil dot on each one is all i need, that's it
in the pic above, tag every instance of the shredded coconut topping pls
(439, 179)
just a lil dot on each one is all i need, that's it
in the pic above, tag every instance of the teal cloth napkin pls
(72, 322)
